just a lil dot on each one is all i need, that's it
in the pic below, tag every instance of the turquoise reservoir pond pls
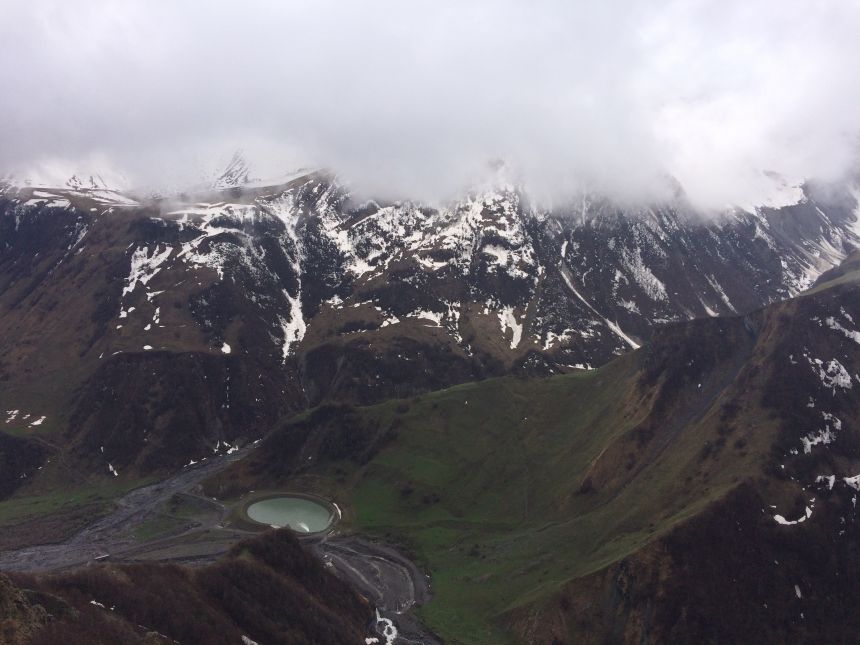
(299, 514)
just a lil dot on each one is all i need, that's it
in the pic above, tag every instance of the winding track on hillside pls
(391, 582)
(111, 535)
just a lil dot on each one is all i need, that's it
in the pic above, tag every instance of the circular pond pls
(300, 514)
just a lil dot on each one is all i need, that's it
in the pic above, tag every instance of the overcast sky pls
(413, 98)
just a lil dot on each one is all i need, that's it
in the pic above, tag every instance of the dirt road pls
(391, 582)
(111, 535)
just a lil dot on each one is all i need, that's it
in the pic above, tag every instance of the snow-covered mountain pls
(319, 295)
(490, 274)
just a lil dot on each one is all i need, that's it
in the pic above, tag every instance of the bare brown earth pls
(267, 589)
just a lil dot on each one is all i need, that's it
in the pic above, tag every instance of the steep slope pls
(268, 589)
(90, 354)
(591, 506)
(778, 552)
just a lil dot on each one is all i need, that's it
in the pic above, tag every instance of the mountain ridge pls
(330, 299)
(589, 506)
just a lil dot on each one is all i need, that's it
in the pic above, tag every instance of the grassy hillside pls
(507, 489)
(593, 506)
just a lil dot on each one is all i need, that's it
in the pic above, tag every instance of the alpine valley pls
(591, 422)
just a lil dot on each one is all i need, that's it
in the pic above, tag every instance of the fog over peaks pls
(414, 99)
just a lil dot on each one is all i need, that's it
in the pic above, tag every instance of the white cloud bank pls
(413, 98)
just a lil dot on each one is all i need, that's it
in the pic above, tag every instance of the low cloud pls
(415, 98)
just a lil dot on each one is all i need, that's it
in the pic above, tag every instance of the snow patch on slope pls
(508, 320)
(144, 267)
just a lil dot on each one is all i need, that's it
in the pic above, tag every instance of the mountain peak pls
(236, 173)
(91, 182)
